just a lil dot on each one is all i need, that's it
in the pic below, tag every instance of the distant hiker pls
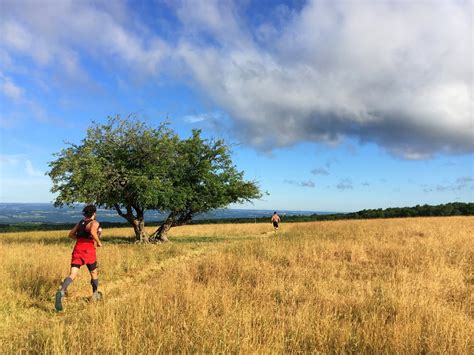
(275, 220)
(87, 233)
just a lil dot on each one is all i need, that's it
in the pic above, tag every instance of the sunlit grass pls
(379, 286)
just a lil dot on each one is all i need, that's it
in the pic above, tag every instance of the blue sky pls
(330, 105)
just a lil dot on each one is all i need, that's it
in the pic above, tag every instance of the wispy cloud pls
(11, 159)
(57, 39)
(450, 163)
(307, 183)
(195, 118)
(464, 180)
(345, 184)
(320, 171)
(201, 117)
(31, 171)
(23, 105)
(330, 162)
(9, 88)
(461, 183)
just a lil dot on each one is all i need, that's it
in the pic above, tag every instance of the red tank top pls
(84, 237)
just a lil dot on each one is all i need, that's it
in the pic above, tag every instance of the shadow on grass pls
(47, 307)
(60, 241)
(36, 240)
(120, 240)
(208, 239)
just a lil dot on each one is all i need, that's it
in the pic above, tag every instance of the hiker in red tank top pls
(87, 234)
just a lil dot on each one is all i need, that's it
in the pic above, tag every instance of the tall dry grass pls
(379, 286)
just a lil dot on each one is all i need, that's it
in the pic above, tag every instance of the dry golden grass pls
(380, 286)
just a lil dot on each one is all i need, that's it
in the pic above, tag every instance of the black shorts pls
(90, 267)
(275, 224)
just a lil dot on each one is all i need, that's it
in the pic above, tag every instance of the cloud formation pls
(31, 171)
(12, 159)
(384, 72)
(462, 183)
(320, 171)
(397, 74)
(344, 184)
(98, 28)
(307, 183)
(9, 88)
(202, 117)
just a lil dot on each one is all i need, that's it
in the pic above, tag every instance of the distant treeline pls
(448, 209)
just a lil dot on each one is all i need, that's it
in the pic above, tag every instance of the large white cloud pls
(395, 73)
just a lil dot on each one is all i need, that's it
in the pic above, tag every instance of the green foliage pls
(448, 209)
(204, 178)
(125, 164)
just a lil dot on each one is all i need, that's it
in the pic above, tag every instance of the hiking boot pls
(96, 296)
(58, 304)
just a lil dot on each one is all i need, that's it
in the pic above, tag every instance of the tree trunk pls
(137, 222)
(161, 234)
(139, 228)
(174, 219)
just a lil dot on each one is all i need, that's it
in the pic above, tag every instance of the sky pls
(329, 105)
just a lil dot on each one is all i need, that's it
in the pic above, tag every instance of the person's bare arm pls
(95, 234)
(72, 232)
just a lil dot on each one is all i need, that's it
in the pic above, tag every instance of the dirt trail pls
(116, 290)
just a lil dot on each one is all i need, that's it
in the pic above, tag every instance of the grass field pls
(369, 286)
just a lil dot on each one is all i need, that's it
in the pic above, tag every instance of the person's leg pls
(72, 275)
(96, 294)
(67, 281)
(94, 276)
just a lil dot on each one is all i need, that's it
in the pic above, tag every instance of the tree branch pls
(184, 218)
(130, 213)
(169, 221)
(128, 216)
(139, 211)
(119, 211)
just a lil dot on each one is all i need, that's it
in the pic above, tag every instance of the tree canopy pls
(131, 167)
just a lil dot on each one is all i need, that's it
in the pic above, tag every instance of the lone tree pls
(131, 167)
(203, 178)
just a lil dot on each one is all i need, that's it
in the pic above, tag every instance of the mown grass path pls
(30, 305)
